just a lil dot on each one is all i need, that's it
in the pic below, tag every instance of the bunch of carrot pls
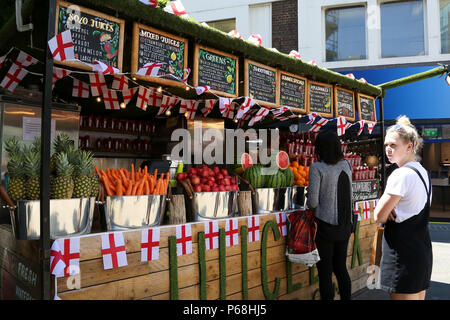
(121, 182)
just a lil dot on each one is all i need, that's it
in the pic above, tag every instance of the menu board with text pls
(261, 83)
(344, 103)
(320, 96)
(293, 91)
(366, 108)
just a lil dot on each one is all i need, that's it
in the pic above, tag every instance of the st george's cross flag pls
(98, 84)
(167, 103)
(80, 89)
(176, 8)
(202, 89)
(312, 117)
(209, 105)
(370, 126)
(128, 94)
(189, 107)
(366, 210)
(14, 76)
(246, 117)
(25, 60)
(279, 111)
(120, 82)
(150, 69)
(357, 211)
(224, 103)
(59, 74)
(229, 111)
(341, 125)
(231, 232)
(361, 126)
(211, 235)
(245, 106)
(235, 34)
(261, 114)
(318, 125)
(103, 68)
(57, 264)
(294, 54)
(61, 46)
(255, 39)
(150, 243)
(110, 99)
(253, 228)
(281, 223)
(152, 3)
(184, 239)
(143, 98)
(113, 250)
(70, 251)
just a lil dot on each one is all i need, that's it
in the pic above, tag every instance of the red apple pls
(228, 188)
(204, 166)
(195, 180)
(219, 176)
(204, 173)
(204, 180)
(211, 172)
(198, 188)
(235, 187)
(216, 169)
(181, 176)
(224, 172)
(233, 180)
(206, 188)
(221, 182)
(212, 179)
(210, 183)
(226, 181)
(215, 189)
(226, 176)
(193, 171)
(222, 188)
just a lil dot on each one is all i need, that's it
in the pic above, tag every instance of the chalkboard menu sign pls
(344, 103)
(152, 45)
(320, 96)
(95, 36)
(293, 91)
(366, 108)
(365, 190)
(216, 69)
(261, 83)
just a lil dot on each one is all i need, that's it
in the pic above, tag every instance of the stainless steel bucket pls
(212, 205)
(297, 198)
(68, 217)
(133, 212)
(267, 200)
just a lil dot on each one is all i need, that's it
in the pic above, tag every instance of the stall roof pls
(133, 10)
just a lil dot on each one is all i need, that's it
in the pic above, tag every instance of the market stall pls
(157, 226)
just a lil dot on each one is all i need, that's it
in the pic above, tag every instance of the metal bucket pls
(68, 217)
(267, 200)
(212, 205)
(132, 212)
(297, 198)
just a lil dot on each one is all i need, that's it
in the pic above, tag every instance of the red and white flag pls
(229, 111)
(186, 73)
(235, 34)
(351, 75)
(184, 239)
(209, 105)
(128, 94)
(245, 106)
(246, 117)
(176, 8)
(103, 68)
(361, 126)
(356, 210)
(202, 89)
(110, 99)
(281, 223)
(58, 74)
(167, 103)
(294, 54)
(61, 46)
(231, 232)
(25, 60)
(279, 111)
(80, 89)
(150, 244)
(312, 117)
(261, 114)
(98, 84)
(341, 125)
(14, 76)
(362, 80)
(113, 250)
(224, 103)
(120, 82)
(211, 235)
(152, 3)
(370, 126)
(143, 97)
(287, 117)
(313, 62)
(150, 69)
(57, 264)
(255, 39)
(318, 125)
(253, 228)
(189, 107)
(154, 97)
(366, 210)
(2, 60)
(70, 251)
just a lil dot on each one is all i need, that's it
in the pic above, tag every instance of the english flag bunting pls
(186, 73)
(167, 103)
(253, 228)
(245, 106)
(143, 97)
(313, 62)
(261, 114)
(150, 69)
(150, 244)
(70, 251)
(98, 84)
(312, 117)
(209, 105)
(128, 94)
(281, 223)
(2, 59)
(154, 97)
(246, 117)
(120, 82)
(103, 68)
(58, 74)
(341, 125)
(278, 112)
(283, 118)
(184, 239)
(357, 211)
(25, 60)
(255, 39)
(366, 210)
(294, 54)
(176, 8)
(80, 89)
(211, 235)
(57, 264)
(231, 232)
(224, 103)
(201, 89)
(319, 124)
(189, 107)
(13, 77)
(350, 75)
(361, 126)
(113, 250)
(235, 34)
(110, 99)
(362, 80)
(61, 46)
(229, 111)
(370, 126)
(152, 3)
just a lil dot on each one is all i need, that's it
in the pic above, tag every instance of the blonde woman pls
(407, 257)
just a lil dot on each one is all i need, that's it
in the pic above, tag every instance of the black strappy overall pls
(407, 257)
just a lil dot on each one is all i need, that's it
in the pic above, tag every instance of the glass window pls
(345, 33)
(445, 28)
(223, 25)
(402, 29)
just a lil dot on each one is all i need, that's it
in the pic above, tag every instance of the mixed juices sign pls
(261, 83)
(320, 96)
(366, 108)
(293, 91)
(152, 45)
(216, 69)
(344, 103)
(95, 36)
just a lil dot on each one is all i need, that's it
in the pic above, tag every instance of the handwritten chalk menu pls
(365, 190)
(261, 83)
(292, 91)
(152, 45)
(366, 108)
(320, 96)
(344, 103)
(95, 36)
(216, 69)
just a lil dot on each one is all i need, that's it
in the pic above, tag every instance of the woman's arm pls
(313, 188)
(385, 206)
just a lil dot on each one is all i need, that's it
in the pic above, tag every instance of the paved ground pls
(440, 277)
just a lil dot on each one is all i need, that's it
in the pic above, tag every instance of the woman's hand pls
(392, 215)
(385, 208)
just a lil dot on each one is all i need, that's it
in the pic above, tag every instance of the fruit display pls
(300, 147)
(122, 182)
(206, 179)
(301, 174)
(16, 186)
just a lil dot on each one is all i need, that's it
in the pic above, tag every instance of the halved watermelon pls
(246, 161)
(282, 160)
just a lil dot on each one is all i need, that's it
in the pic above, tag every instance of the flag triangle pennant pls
(14, 76)
(80, 89)
(57, 264)
(209, 105)
(61, 46)
(176, 8)
(150, 243)
(70, 251)
(128, 94)
(150, 69)
(261, 114)
(59, 74)
(113, 250)
(120, 82)
(184, 239)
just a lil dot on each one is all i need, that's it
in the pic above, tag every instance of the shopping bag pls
(301, 246)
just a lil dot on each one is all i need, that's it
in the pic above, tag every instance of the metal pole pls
(45, 157)
(383, 164)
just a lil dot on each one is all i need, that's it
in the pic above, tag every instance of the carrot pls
(140, 188)
(135, 186)
(97, 171)
(119, 189)
(107, 185)
(156, 174)
(151, 184)
(146, 187)
(145, 170)
(129, 189)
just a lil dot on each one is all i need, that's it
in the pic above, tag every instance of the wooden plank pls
(29, 249)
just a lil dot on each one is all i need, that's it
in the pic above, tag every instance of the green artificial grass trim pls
(265, 234)
(173, 268)
(244, 262)
(313, 278)
(222, 265)
(291, 287)
(356, 248)
(202, 264)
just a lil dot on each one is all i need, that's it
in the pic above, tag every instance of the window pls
(445, 28)
(345, 35)
(402, 29)
(260, 22)
(223, 25)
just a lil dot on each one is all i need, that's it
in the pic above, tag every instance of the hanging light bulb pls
(168, 113)
(235, 120)
(160, 89)
(134, 78)
(187, 88)
(186, 114)
(123, 105)
(99, 99)
(299, 115)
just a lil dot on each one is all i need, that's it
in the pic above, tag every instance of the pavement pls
(440, 276)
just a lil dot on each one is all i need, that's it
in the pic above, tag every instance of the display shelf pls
(119, 154)
(119, 132)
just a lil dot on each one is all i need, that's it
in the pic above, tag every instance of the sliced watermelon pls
(282, 160)
(246, 161)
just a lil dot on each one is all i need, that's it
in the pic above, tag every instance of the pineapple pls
(16, 186)
(32, 169)
(83, 170)
(61, 186)
(61, 143)
(94, 185)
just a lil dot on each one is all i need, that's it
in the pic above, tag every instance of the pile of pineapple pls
(72, 170)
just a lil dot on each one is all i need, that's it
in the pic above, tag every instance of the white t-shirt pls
(406, 183)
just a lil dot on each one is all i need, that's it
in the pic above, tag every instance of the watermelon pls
(246, 161)
(283, 160)
(289, 177)
(278, 180)
(254, 177)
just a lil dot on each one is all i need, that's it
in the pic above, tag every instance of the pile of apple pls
(205, 179)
